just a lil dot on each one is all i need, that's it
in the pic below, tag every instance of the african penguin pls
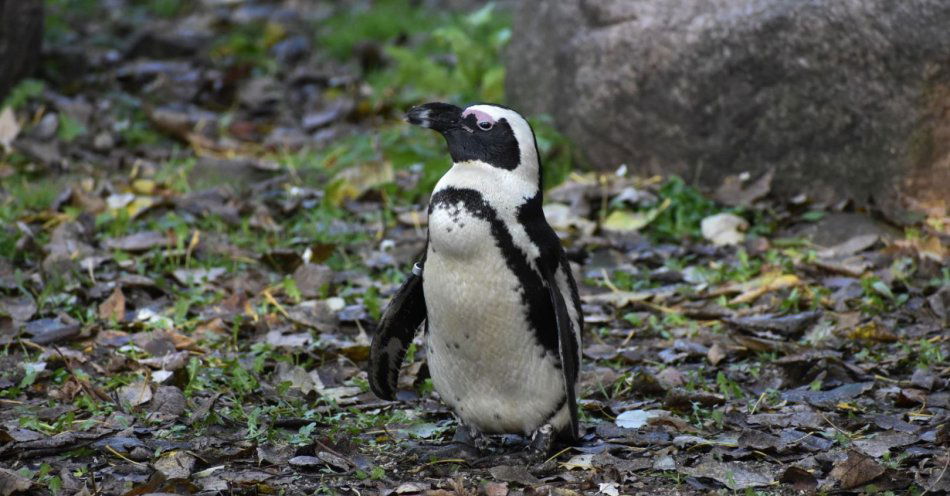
(501, 309)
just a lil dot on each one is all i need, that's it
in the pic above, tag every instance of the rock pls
(21, 35)
(839, 98)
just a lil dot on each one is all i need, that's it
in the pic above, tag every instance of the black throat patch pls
(497, 147)
(534, 294)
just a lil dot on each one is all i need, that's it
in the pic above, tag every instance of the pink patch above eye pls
(479, 115)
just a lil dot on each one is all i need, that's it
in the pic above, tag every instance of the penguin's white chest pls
(484, 357)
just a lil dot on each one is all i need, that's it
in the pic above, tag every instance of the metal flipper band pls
(416, 269)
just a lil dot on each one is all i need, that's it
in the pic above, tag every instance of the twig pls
(756, 405)
(332, 451)
(270, 299)
(91, 390)
(840, 430)
(112, 450)
(942, 473)
(436, 462)
(559, 453)
(607, 281)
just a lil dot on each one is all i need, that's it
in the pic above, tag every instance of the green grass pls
(430, 56)
(23, 92)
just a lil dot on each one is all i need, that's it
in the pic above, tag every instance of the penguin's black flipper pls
(567, 347)
(396, 329)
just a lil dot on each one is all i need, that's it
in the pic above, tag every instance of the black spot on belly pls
(497, 416)
(456, 345)
(466, 335)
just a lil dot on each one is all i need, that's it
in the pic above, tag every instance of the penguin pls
(501, 309)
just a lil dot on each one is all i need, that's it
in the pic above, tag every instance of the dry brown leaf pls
(858, 469)
(715, 354)
(12, 482)
(9, 128)
(773, 281)
(113, 308)
(135, 394)
(873, 331)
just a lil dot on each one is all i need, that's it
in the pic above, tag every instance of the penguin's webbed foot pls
(542, 440)
(532, 453)
(467, 444)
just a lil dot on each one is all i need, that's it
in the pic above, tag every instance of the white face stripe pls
(528, 168)
(424, 118)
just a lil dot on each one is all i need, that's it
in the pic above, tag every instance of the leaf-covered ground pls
(206, 205)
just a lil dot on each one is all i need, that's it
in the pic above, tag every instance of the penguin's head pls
(486, 133)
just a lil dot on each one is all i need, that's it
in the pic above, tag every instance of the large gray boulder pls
(838, 97)
(21, 34)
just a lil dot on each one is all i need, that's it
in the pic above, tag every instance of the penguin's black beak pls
(437, 116)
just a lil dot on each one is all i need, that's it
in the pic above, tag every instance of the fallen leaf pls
(617, 298)
(9, 128)
(715, 354)
(773, 281)
(664, 463)
(878, 444)
(189, 277)
(830, 397)
(52, 330)
(412, 487)
(496, 488)
(176, 464)
(12, 482)
(19, 308)
(167, 403)
(627, 221)
(634, 419)
(582, 462)
(734, 193)
(275, 453)
(735, 475)
(800, 479)
(858, 469)
(298, 378)
(724, 229)
(792, 325)
(873, 331)
(113, 308)
(135, 394)
(352, 182)
(138, 242)
(854, 245)
(334, 460)
(609, 488)
(312, 279)
(509, 473)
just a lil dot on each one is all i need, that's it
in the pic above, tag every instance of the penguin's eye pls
(485, 125)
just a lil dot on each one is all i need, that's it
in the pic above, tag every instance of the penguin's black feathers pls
(397, 328)
(567, 349)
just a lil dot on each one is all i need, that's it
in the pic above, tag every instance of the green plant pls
(688, 207)
(23, 92)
